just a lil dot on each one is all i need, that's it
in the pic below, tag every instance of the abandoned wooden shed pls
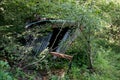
(60, 35)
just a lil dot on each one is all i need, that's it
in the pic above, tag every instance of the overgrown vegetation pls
(96, 51)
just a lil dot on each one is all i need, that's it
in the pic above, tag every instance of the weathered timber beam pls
(60, 55)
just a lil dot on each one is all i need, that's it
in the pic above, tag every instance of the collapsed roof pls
(67, 23)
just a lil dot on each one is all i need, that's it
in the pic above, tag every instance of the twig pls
(57, 35)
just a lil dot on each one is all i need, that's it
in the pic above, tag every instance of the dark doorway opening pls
(57, 36)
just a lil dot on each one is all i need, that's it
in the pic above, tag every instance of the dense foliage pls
(96, 50)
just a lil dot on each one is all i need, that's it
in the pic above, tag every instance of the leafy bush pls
(4, 71)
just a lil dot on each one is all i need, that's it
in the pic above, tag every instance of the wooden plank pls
(60, 55)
